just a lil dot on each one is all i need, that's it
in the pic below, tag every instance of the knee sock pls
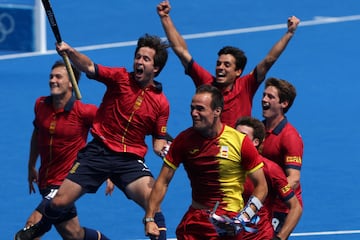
(91, 234)
(160, 221)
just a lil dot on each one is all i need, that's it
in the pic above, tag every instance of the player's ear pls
(256, 142)
(217, 112)
(285, 104)
(156, 69)
(238, 72)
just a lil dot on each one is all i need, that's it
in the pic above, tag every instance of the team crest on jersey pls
(224, 151)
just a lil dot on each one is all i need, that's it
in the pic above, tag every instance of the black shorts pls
(96, 163)
(48, 194)
(278, 221)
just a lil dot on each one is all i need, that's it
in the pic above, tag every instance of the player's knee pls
(70, 233)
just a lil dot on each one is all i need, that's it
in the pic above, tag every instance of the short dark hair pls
(160, 46)
(238, 54)
(60, 63)
(286, 90)
(217, 99)
(257, 126)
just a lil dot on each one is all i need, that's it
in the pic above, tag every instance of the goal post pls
(22, 27)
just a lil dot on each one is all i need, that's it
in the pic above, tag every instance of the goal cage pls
(22, 26)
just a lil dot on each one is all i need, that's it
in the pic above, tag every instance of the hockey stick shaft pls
(54, 27)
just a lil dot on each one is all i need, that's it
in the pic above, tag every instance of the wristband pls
(148, 219)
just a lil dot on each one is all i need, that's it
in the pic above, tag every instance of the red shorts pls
(195, 225)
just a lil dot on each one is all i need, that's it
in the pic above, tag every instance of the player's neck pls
(59, 101)
(214, 131)
(272, 122)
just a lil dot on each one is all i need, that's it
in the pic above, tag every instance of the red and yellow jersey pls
(284, 146)
(278, 187)
(128, 113)
(216, 167)
(237, 101)
(60, 135)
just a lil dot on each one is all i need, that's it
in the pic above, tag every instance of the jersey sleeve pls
(198, 74)
(293, 147)
(161, 123)
(109, 75)
(89, 113)
(250, 158)
(176, 151)
(279, 181)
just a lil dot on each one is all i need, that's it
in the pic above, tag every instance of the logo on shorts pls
(74, 168)
(145, 168)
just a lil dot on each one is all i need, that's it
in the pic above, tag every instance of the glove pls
(165, 149)
(226, 226)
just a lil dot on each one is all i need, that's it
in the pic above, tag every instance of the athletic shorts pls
(48, 194)
(96, 163)
(195, 225)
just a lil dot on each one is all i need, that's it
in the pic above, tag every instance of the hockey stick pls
(51, 17)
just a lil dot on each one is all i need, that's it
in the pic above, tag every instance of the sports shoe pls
(33, 231)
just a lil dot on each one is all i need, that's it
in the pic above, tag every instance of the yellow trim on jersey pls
(170, 164)
(260, 165)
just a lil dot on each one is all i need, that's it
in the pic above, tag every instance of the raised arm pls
(264, 66)
(177, 42)
(80, 61)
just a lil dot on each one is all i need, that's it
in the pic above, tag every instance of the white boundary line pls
(318, 20)
(311, 233)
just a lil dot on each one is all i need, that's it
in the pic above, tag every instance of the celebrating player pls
(216, 158)
(238, 91)
(133, 106)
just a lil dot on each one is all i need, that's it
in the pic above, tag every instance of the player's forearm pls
(279, 47)
(81, 61)
(177, 42)
(156, 197)
(34, 152)
(291, 221)
(293, 178)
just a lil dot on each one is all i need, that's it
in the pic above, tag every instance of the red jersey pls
(61, 134)
(128, 113)
(278, 186)
(284, 146)
(237, 101)
(216, 167)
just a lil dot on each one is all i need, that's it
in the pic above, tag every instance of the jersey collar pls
(68, 106)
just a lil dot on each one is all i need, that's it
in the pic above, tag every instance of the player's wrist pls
(291, 31)
(148, 219)
(164, 15)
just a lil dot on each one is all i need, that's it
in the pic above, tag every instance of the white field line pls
(311, 233)
(316, 21)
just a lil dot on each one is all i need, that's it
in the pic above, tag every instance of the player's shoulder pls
(43, 100)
